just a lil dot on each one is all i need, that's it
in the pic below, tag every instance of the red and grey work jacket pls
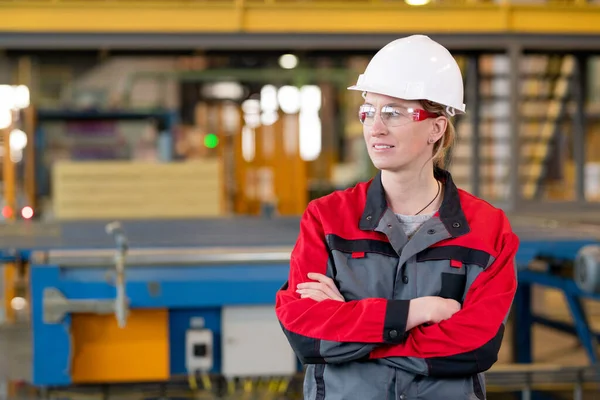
(360, 349)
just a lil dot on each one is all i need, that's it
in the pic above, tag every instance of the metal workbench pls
(256, 252)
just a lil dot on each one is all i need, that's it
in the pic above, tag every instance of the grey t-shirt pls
(412, 223)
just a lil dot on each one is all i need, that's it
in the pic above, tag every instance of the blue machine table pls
(159, 299)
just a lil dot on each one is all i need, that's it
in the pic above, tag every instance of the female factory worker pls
(399, 288)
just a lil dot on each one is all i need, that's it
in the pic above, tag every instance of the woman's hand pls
(443, 309)
(430, 310)
(321, 290)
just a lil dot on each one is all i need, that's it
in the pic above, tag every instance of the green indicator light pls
(211, 140)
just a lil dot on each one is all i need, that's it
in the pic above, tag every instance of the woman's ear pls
(438, 129)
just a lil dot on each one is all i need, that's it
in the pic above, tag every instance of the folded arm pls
(469, 341)
(330, 330)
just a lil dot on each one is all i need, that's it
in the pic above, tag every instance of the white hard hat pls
(415, 68)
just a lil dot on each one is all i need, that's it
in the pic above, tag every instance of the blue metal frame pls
(559, 249)
(553, 248)
(185, 291)
(525, 318)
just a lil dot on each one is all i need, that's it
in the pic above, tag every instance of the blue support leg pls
(523, 322)
(582, 326)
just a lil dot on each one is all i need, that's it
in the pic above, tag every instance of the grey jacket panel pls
(369, 381)
(377, 381)
(348, 373)
(336, 352)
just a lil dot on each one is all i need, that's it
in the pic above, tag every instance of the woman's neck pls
(408, 192)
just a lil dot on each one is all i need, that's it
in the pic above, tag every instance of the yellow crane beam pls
(284, 16)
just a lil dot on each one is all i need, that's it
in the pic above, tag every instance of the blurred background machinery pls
(204, 128)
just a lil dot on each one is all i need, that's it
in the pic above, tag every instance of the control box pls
(199, 350)
(254, 344)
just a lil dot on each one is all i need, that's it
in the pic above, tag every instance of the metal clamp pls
(121, 309)
(56, 306)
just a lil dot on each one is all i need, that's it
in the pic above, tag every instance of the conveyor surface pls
(238, 231)
(235, 231)
(537, 235)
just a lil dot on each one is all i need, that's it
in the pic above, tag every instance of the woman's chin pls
(386, 165)
(394, 164)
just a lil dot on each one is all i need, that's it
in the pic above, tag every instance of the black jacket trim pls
(458, 253)
(375, 206)
(307, 349)
(451, 212)
(477, 388)
(453, 286)
(396, 316)
(320, 382)
(469, 363)
(361, 246)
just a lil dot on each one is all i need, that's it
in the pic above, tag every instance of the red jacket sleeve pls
(314, 327)
(469, 341)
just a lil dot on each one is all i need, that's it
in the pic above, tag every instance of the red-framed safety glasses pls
(393, 115)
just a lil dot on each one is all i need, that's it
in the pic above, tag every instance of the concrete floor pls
(15, 353)
(550, 347)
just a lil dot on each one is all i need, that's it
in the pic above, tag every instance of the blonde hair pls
(442, 147)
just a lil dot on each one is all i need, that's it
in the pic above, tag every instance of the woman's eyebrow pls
(386, 105)
(397, 105)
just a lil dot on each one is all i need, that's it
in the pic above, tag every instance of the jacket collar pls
(451, 213)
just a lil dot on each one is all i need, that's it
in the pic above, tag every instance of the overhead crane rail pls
(290, 16)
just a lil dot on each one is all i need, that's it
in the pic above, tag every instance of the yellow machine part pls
(105, 353)
(136, 190)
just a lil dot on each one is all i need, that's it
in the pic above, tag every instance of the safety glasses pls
(392, 116)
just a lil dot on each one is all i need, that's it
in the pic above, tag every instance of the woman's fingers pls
(329, 283)
(323, 279)
(316, 295)
(320, 287)
(323, 288)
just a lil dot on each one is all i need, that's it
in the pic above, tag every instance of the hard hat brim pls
(364, 88)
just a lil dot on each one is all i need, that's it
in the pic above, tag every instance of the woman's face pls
(394, 140)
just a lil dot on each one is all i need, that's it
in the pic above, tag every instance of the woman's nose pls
(378, 128)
